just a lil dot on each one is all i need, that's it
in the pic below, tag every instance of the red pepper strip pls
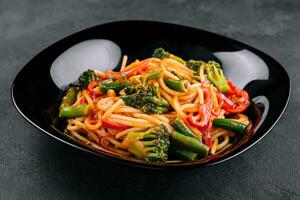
(92, 92)
(207, 96)
(114, 126)
(112, 74)
(233, 89)
(83, 101)
(93, 116)
(206, 136)
(237, 102)
(137, 70)
(204, 115)
(92, 85)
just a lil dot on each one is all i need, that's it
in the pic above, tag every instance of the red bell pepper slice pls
(93, 93)
(206, 136)
(203, 116)
(118, 127)
(236, 100)
(83, 101)
(92, 85)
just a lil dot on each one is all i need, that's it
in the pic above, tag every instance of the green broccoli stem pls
(161, 110)
(66, 110)
(194, 65)
(221, 84)
(159, 102)
(183, 154)
(177, 85)
(180, 126)
(146, 103)
(231, 125)
(153, 76)
(151, 145)
(197, 78)
(116, 86)
(189, 143)
(215, 75)
(69, 97)
(73, 111)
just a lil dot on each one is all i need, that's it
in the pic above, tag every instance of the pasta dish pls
(159, 109)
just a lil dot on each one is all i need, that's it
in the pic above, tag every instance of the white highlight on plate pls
(97, 54)
(264, 101)
(242, 67)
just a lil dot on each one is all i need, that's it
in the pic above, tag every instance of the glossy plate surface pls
(38, 87)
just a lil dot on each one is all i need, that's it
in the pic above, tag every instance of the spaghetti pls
(191, 100)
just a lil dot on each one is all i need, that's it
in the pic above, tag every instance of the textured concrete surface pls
(34, 166)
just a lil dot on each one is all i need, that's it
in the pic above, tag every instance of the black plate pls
(36, 96)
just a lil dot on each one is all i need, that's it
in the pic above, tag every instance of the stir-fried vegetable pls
(231, 125)
(215, 75)
(178, 85)
(151, 145)
(180, 126)
(181, 153)
(194, 65)
(145, 97)
(66, 110)
(86, 78)
(116, 86)
(189, 143)
(161, 54)
(236, 100)
(154, 75)
(146, 103)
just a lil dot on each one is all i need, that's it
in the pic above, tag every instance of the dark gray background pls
(35, 166)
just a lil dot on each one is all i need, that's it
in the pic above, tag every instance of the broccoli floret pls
(151, 145)
(215, 75)
(194, 64)
(161, 54)
(146, 102)
(144, 96)
(86, 78)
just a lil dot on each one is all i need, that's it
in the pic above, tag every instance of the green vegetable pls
(66, 110)
(197, 78)
(153, 76)
(180, 126)
(86, 78)
(182, 154)
(144, 96)
(70, 97)
(215, 75)
(231, 125)
(147, 103)
(178, 85)
(194, 65)
(190, 144)
(116, 86)
(151, 145)
(161, 54)
(73, 111)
